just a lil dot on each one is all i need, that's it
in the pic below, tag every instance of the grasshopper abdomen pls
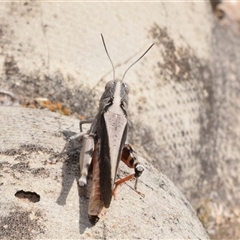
(96, 205)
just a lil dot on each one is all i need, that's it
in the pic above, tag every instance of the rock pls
(184, 108)
(228, 14)
(57, 53)
(40, 197)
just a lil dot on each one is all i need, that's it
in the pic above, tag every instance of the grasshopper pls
(104, 144)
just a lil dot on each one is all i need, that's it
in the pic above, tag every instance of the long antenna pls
(136, 61)
(108, 56)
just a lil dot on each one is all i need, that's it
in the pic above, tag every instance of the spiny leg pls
(129, 157)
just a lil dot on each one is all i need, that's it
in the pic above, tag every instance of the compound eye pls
(126, 87)
(109, 84)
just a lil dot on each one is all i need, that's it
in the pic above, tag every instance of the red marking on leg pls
(119, 182)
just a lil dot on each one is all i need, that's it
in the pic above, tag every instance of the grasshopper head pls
(116, 93)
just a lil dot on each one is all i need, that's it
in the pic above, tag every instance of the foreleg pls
(84, 122)
(77, 136)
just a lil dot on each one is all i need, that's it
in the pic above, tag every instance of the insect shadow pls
(70, 177)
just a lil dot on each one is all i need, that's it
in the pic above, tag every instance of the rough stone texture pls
(57, 55)
(30, 140)
(183, 108)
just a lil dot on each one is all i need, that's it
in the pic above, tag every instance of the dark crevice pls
(29, 196)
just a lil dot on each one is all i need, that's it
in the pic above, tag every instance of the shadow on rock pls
(71, 173)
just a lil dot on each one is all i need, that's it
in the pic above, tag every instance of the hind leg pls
(129, 157)
(85, 158)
